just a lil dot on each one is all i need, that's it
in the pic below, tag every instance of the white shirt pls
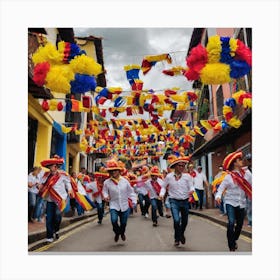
(198, 180)
(35, 181)
(177, 189)
(61, 186)
(140, 186)
(151, 189)
(233, 195)
(119, 194)
(93, 186)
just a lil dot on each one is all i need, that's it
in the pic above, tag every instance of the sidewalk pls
(37, 231)
(215, 215)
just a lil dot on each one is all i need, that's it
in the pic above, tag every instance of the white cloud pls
(122, 46)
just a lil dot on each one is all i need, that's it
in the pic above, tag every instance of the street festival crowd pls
(177, 189)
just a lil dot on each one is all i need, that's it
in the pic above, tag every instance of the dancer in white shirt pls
(117, 190)
(153, 186)
(235, 187)
(180, 188)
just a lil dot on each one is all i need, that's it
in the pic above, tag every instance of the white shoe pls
(147, 215)
(50, 240)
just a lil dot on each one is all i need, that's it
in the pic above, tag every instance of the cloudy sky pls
(123, 46)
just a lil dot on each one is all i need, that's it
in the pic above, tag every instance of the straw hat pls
(145, 169)
(55, 160)
(113, 165)
(155, 171)
(172, 159)
(230, 158)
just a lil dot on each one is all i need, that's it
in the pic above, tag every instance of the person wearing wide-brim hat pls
(117, 191)
(153, 186)
(54, 188)
(235, 187)
(180, 188)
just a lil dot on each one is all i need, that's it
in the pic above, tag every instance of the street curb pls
(37, 239)
(243, 232)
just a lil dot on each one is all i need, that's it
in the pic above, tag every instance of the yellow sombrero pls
(172, 159)
(113, 165)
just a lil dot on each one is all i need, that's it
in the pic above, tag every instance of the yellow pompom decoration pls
(47, 53)
(215, 73)
(83, 64)
(58, 78)
(247, 103)
(214, 49)
(234, 122)
(53, 105)
(237, 94)
(233, 46)
(226, 109)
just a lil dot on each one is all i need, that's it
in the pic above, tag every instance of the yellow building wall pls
(87, 46)
(44, 132)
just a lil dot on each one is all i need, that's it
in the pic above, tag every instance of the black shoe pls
(235, 246)
(176, 243)
(56, 235)
(99, 222)
(183, 239)
(116, 238)
(123, 237)
(154, 224)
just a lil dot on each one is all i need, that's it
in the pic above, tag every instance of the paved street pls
(202, 235)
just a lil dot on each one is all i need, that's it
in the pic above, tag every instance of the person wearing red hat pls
(117, 190)
(143, 195)
(55, 187)
(180, 188)
(235, 187)
(153, 186)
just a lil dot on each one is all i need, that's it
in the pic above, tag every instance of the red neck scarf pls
(242, 182)
(156, 186)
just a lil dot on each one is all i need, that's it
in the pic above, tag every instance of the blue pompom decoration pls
(230, 102)
(225, 54)
(75, 50)
(239, 68)
(224, 124)
(83, 83)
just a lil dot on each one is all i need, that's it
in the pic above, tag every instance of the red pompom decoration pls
(45, 105)
(40, 73)
(59, 106)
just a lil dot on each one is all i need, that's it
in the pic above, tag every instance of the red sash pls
(156, 186)
(48, 188)
(242, 182)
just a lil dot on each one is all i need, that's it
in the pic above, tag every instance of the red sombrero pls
(55, 160)
(155, 171)
(113, 165)
(174, 160)
(101, 175)
(230, 158)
